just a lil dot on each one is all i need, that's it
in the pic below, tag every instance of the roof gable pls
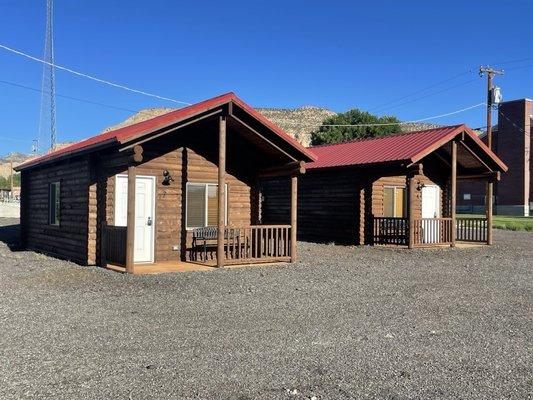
(408, 147)
(140, 129)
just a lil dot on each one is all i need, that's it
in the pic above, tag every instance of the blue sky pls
(335, 54)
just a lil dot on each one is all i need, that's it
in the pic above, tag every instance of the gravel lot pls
(341, 323)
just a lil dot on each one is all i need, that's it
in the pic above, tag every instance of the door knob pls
(149, 222)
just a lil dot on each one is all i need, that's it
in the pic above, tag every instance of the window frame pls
(404, 202)
(56, 205)
(206, 197)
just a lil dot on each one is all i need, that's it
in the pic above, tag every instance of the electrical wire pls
(428, 95)
(81, 74)
(513, 61)
(421, 90)
(76, 98)
(520, 129)
(519, 67)
(397, 123)
(381, 107)
(15, 140)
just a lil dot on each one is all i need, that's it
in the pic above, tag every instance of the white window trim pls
(204, 184)
(394, 199)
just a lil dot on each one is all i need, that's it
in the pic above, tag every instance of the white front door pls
(430, 209)
(144, 214)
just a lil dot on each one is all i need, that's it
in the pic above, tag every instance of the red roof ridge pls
(124, 133)
(388, 136)
(405, 147)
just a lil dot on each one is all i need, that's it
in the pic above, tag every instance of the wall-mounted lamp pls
(420, 186)
(167, 178)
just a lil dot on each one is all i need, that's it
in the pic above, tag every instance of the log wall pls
(337, 205)
(68, 240)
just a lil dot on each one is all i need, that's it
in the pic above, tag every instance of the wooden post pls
(130, 229)
(411, 214)
(294, 213)
(221, 190)
(488, 210)
(23, 203)
(453, 193)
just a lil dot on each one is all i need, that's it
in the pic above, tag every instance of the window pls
(202, 205)
(54, 203)
(394, 201)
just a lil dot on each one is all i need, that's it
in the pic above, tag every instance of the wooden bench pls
(205, 237)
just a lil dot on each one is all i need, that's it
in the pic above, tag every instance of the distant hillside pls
(298, 122)
(17, 158)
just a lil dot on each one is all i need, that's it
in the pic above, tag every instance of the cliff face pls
(298, 122)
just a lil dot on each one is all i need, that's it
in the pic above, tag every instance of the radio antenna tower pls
(47, 117)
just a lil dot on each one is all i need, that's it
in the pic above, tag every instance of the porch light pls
(420, 186)
(167, 178)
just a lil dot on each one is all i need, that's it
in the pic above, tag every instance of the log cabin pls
(180, 187)
(396, 190)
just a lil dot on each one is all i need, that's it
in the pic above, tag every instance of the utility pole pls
(11, 178)
(490, 72)
(490, 185)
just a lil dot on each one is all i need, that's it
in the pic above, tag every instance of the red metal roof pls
(410, 147)
(145, 127)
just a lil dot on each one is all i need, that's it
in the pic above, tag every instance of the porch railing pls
(258, 243)
(472, 229)
(391, 230)
(432, 231)
(246, 244)
(113, 245)
(428, 231)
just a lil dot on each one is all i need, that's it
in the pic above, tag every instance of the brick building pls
(512, 142)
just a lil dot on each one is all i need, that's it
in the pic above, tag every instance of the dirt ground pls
(341, 323)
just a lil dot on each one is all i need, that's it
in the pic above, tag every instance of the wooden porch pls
(430, 232)
(255, 244)
(448, 229)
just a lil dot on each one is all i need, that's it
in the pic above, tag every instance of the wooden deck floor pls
(180, 266)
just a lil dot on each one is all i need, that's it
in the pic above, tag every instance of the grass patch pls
(508, 222)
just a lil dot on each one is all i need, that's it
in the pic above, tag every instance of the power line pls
(514, 61)
(519, 67)
(380, 107)
(428, 95)
(422, 90)
(520, 129)
(15, 140)
(81, 74)
(68, 97)
(78, 99)
(407, 122)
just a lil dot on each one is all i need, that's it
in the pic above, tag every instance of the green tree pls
(336, 134)
(4, 182)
